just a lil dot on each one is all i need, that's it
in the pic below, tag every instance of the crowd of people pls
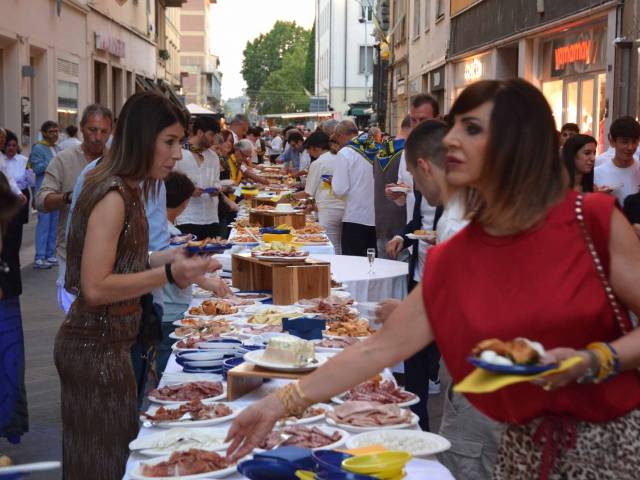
(521, 249)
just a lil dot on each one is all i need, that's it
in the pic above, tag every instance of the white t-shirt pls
(319, 189)
(452, 219)
(68, 143)
(202, 210)
(405, 177)
(276, 146)
(608, 155)
(353, 182)
(626, 180)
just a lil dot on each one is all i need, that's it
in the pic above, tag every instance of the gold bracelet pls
(294, 404)
(607, 360)
(301, 394)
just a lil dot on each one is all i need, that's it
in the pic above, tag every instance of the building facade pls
(399, 45)
(58, 57)
(428, 41)
(344, 55)
(567, 49)
(201, 76)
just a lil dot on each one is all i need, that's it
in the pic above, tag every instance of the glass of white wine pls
(371, 256)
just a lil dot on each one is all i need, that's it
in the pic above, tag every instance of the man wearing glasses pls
(41, 154)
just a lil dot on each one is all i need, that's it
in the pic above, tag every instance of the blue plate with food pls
(208, 245)
(182, 239)
(275, 231)
(519, 356)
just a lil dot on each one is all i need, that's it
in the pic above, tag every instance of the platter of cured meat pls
(379, 390)
(312, 437)
(366, 416)
(187, 465)
(315, 413)
(192, 414)
(186, 392)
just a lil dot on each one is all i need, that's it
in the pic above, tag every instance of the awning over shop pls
(195, 109)
(360, 111)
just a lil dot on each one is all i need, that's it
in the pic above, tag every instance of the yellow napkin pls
(483, 381)
(277, 237)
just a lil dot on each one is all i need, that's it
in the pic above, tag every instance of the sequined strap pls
(611, 297)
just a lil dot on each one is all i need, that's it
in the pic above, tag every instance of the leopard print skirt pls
(557, 448)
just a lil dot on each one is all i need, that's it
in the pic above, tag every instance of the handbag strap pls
(613, 302)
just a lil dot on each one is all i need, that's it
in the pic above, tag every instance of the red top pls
(540, 284)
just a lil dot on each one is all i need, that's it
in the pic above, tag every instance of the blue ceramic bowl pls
(330, 459)
(232, 363)
(199, 355)
(267, 469)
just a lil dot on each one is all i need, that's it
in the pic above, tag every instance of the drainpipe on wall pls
(346, 11)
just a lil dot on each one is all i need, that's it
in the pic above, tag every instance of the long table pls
(417, 469)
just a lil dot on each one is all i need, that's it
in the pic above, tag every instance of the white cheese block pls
(289, 350)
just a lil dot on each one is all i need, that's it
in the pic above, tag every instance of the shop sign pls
(472, 70)
(578, 52)
(114, 46)
(572, 53)
(437, 79)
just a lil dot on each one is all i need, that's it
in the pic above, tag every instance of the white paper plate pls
(344, 436)
(146, 444)
(193, 423)
(352, 428)
(422, 444)
(427, 237)
(222, 396)
(255, 357)
(263, 296)
(136, 473)
(400, 189)
(261, 309)
(339, 399)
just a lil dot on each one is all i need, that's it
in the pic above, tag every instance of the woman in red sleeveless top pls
(521, 268)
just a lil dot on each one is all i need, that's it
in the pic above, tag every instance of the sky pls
(234, 22)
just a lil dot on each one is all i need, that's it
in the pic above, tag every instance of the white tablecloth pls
(416, 469)
(388, 281)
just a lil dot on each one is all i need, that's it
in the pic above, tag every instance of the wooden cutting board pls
(247, 377)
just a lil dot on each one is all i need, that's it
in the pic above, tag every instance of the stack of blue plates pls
(209, 356)
(230, 363)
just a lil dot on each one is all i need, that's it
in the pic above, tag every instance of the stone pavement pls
(41, 319)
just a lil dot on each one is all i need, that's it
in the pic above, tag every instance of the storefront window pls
(586, 107)
(573, 79)
(553, 93)
(67, 103)
(572, 103)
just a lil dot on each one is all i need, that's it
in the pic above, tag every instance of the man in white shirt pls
(353, 182)
(318, 186)
(274, 146)
(239, 127)
(72, 138)
(621, 175)
(201, 164)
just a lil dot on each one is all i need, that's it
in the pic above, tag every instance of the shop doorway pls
(580, 100)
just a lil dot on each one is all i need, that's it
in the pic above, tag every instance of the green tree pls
(284, 89)
(265, 54)
(310, 64)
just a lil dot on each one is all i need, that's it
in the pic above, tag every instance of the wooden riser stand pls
(273, 219)
(289, 282)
